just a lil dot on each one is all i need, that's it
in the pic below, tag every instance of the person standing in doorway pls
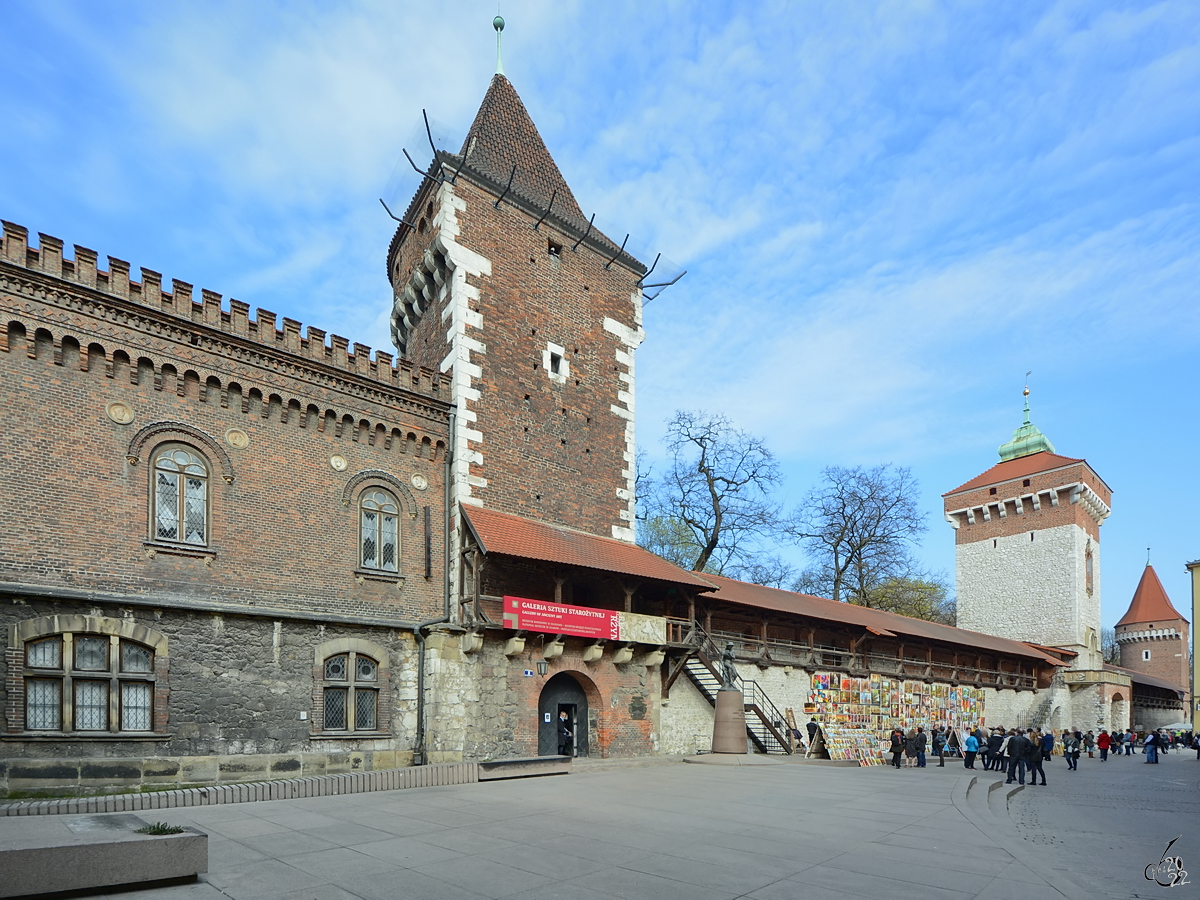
(566, 739)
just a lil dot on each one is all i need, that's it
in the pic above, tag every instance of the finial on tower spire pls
(498, 24)
(1027, 439)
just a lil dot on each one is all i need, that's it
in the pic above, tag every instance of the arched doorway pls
(562, 693)
(1119, 718)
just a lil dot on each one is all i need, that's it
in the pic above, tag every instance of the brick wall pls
(283, 527)
(1169, 657)
(1043, 514)
(549, 448)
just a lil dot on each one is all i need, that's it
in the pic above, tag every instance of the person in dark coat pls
(1033, 760)
(922, 741)
(939, 746)
(997, 745)
(1018, 751)
(897, 746)
(812, 727)
(565, 738)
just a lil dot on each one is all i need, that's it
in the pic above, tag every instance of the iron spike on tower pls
(500, 281)
(1027, 535)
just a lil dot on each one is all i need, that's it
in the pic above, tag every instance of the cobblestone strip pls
(286, 789)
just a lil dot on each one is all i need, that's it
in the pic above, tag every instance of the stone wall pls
(483, 706)
(686, 720)
(1030, 586)
(241, 699)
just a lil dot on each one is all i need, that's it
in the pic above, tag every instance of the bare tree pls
(713, 504)
(1109, 647)
(859, 526)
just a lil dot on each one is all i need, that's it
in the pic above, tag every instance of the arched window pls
(78, 682)
(180, 497)
(379, 531)
(351, 693)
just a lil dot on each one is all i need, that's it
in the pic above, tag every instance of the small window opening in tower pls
(429, 210)
(1025, 483)
(554, 248)
(555, 363)
(533, 332)
(1145, 654)
(994, 544)
(1031, 537)
(992, 491)
(421, 226)
(564, 412)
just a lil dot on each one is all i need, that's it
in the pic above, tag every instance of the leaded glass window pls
(43, 704)
(76, 697)
(335, 708)
(91, 653)
(135, 657)
(45, 654)
(364, 710)
(351, 696)
(379, 530)
(180, 497)
(135, 706)
(335, 668)
(91, 705)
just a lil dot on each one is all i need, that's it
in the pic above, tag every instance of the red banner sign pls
(554, 618)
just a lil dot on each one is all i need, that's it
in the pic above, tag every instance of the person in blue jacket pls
(972, 748)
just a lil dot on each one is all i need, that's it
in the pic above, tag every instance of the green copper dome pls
(1026, 440)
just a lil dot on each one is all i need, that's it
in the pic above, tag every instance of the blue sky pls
(889, 212)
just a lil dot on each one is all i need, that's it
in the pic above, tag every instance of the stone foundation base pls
(83, 777)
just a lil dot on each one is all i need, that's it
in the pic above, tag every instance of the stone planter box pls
(70, 853)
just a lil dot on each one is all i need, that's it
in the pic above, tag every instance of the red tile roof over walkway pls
(511, 535)
(877, 621)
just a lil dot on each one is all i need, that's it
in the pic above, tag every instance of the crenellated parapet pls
(209, 313)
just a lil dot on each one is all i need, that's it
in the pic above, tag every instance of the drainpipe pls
(421, 631)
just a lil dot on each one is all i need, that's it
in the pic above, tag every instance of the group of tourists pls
(1020, 752)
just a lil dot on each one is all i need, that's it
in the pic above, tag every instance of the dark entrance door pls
(562, 693)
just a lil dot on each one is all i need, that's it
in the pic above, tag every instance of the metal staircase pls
(766, 725)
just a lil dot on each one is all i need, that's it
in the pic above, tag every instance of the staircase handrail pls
(709, 652)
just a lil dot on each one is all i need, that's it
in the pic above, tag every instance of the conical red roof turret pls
(1150, 602)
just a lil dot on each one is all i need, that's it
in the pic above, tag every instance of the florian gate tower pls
(1027, 536)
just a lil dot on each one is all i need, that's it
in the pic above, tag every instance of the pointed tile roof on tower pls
(1021, 467)
(503, 135)
(1150, 602)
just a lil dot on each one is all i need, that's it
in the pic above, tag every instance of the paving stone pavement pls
(1108, 820)
(662, 830)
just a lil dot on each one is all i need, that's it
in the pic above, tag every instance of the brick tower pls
(1153, 635)
(1027, 535)
(500, 281)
